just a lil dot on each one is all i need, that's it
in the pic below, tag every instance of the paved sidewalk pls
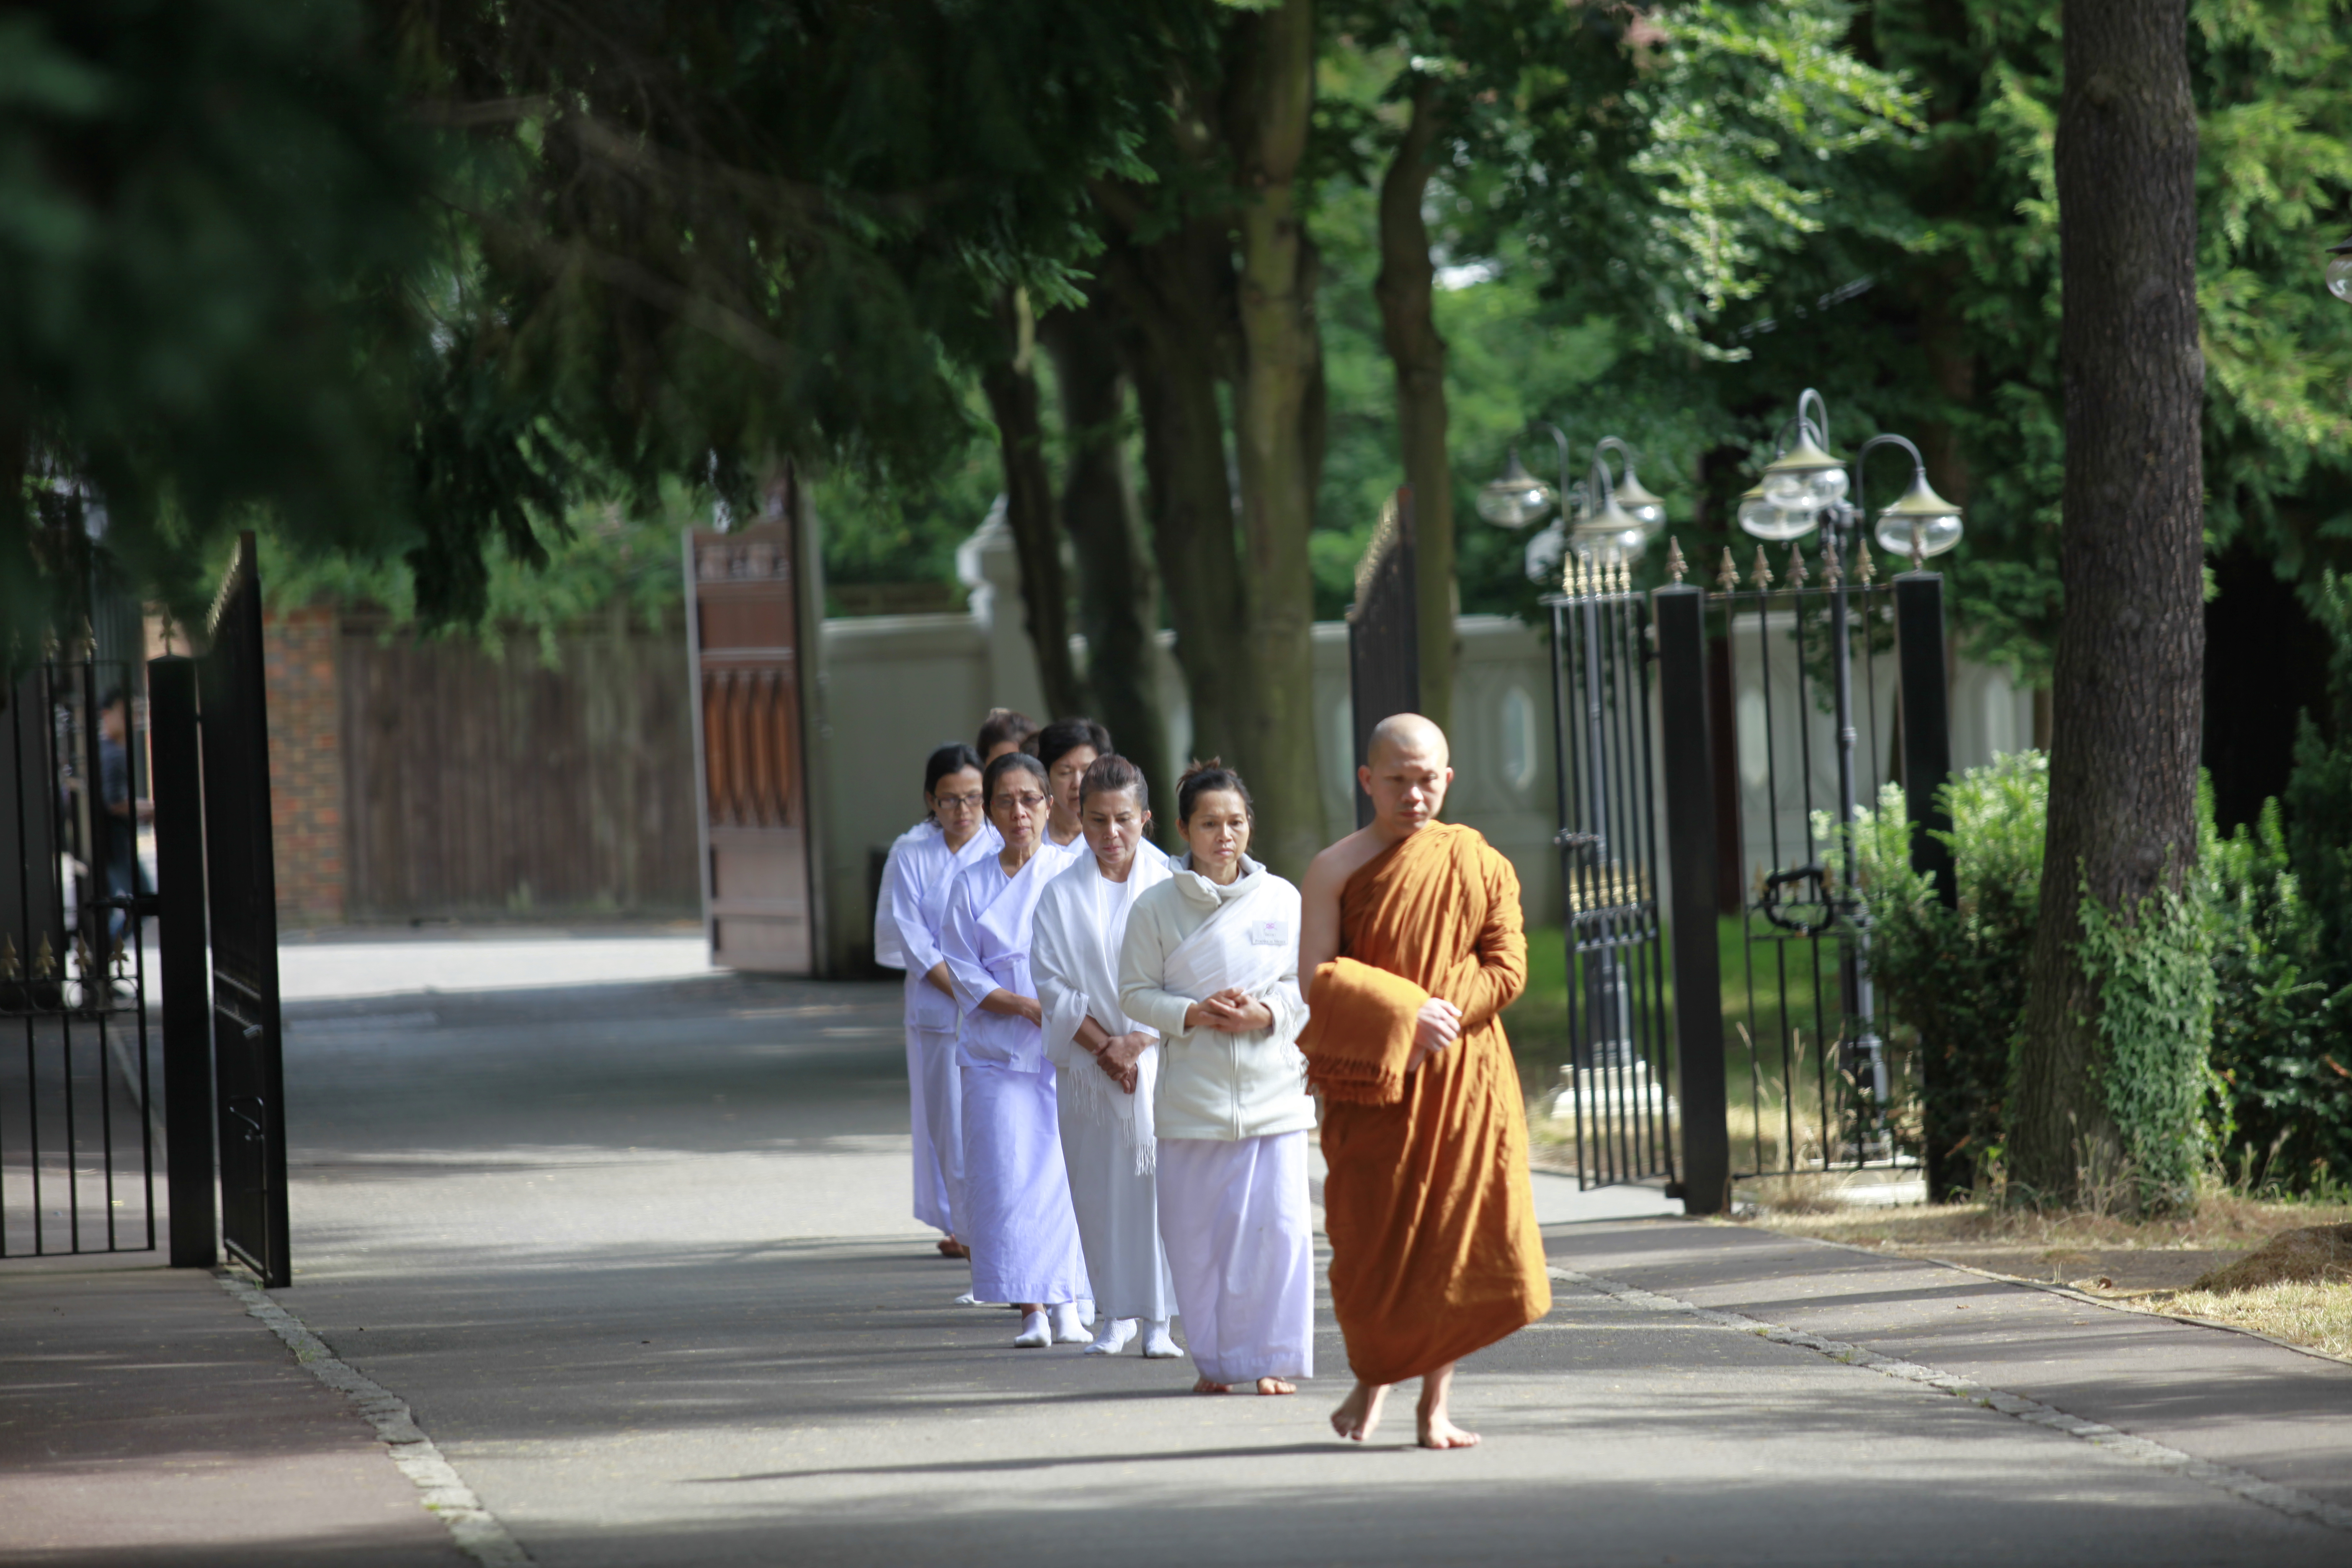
(637, 1257)
(144, 1419)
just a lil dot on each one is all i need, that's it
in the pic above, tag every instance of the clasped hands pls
(1118, 1054)
(1437, 1026)
(1231, 1011)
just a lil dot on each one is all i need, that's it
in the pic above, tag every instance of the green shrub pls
(1955, 977)
(2282, 1057)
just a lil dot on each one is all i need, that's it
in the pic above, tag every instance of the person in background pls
(1003, 731)
(1017, 1218)
(1211, 961)
(119, 820)
(1109, 1068)
(1067, 747)
(922, 865)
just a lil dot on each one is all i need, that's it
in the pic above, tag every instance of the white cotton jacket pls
(1215, 1085)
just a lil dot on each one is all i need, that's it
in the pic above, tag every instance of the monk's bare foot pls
(1276, 1385)
(1209, 1385)
(1429, 1415)
(1437, 1432)
(1359, 1413)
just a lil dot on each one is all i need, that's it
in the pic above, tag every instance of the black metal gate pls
(1621, 1071)
(242, 889)
(1786, 695)
(77, 1137)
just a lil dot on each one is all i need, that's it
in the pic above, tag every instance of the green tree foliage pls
(207, 265)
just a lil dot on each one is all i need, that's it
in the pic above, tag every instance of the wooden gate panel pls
(746, 647)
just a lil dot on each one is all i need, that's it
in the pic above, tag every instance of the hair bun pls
(1213, 766)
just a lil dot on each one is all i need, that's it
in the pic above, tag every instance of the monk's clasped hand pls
(1438, 1025)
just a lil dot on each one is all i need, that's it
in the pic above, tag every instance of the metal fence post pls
(176, 779)
(1927, 723)
(1681, 622)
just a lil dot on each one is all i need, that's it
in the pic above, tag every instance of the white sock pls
(1035, 1333)
(1157, 1343)
(1068, 1329)
(1112, 1336)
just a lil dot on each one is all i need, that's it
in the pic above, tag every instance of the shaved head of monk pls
(1407, 770)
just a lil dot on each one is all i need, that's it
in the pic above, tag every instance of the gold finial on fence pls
(1833, 570)
(1865, 569)
(1568, 570)
(11, 968)
(1763, 570)
(1624, 575)
(1727, 576)
(121, 963)
(1796, 567)
(85, 961)
(1675, 565)
(44, 961)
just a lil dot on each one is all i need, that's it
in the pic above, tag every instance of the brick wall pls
(306, 764)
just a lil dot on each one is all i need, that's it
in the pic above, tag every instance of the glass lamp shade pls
(1768, 520)
(1546, 549)
(1516, 499)
(1639, 504)
(1613, 534)
(1922, 519)
(2339, 275)
(1805, 475)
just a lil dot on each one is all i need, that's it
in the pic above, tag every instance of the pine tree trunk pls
(1277, 418)
(1176, 301)
(1405, 290)
(1119, 602)
(2125, 695)
(1011, 385)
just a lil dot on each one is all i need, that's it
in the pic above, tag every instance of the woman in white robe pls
(1067, 748)
(1211, 961)
(1017, 1218)
(1107, 1067)
(915, 884)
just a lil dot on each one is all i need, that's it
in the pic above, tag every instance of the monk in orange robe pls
(1411, 930)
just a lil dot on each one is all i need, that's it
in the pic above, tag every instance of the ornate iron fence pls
(77, 1135)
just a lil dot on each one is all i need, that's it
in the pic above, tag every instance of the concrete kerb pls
(2141, 1450)
(476, 1530)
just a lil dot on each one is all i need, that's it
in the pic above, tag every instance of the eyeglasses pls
(956, 801)
(1027, 802)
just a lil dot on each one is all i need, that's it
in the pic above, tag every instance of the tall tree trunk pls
(1011, 385)
(1119, 602)
(1176, 299)
(2125, 697)
(1276, 418)
(1405, 290)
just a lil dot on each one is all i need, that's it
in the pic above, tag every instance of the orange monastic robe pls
(1435, 1250)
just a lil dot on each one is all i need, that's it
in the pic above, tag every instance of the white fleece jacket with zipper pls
(1215, 1085)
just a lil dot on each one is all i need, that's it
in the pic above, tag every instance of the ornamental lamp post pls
(2339, 268)
(1805, 487)
(1605, 525)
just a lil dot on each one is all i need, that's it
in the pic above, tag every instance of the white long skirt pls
(1241, 1245)
(936, 1089)
(1016, 1216)
(1119, 1213)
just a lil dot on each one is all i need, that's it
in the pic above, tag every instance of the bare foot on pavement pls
(1359, 1413)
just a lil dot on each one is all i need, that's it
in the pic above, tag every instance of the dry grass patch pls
(2261, 1265)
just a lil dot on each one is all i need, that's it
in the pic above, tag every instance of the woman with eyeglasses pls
(915, 880)
(1017, 1218)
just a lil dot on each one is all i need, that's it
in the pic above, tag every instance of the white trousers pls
(1119, 1213)
(1240, 1239)
(935, 1090)
(1017, 1217)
